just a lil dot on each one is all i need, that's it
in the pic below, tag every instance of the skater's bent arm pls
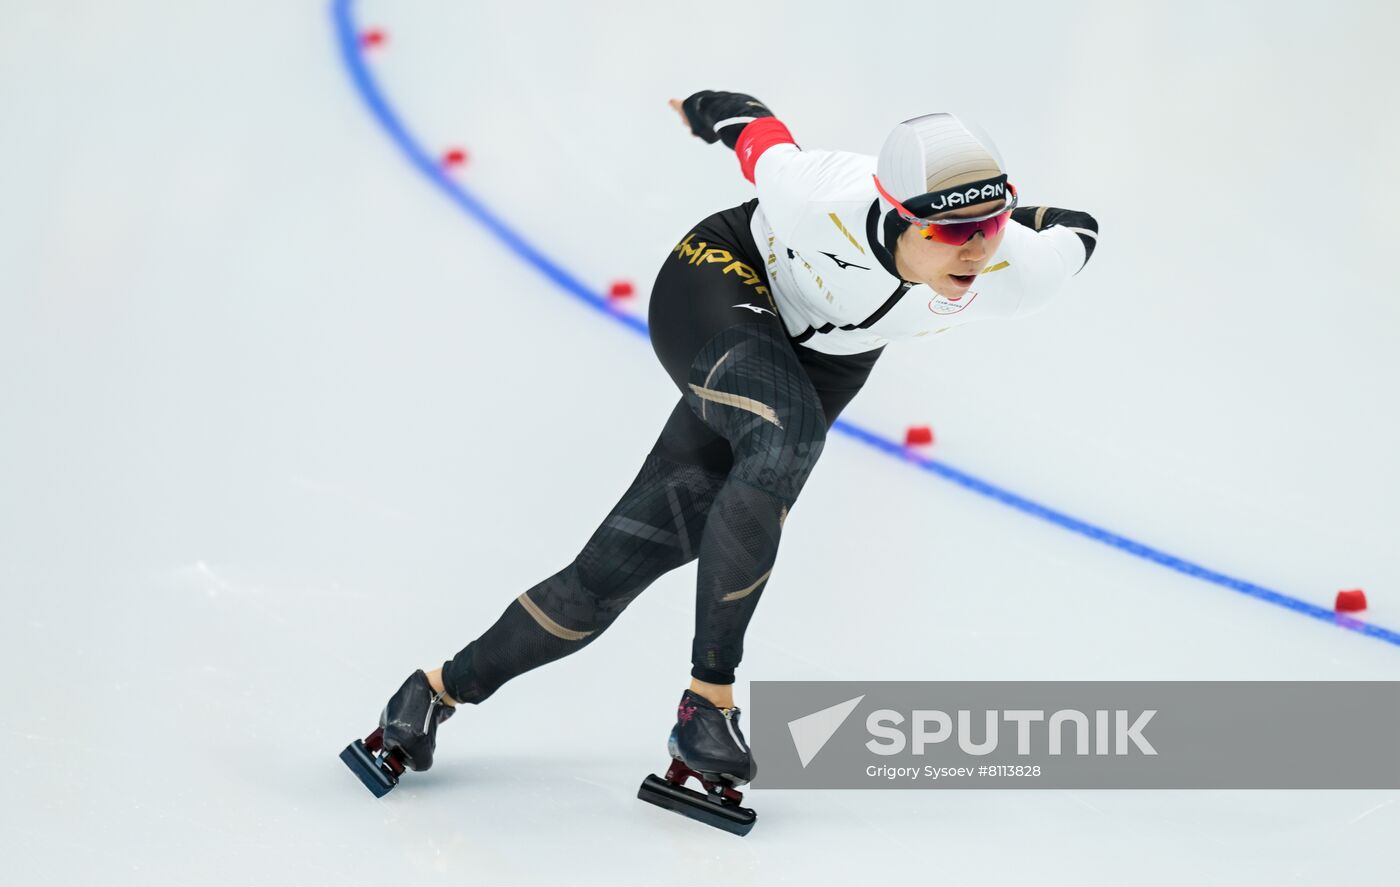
(1045, 259)
(1047, 218)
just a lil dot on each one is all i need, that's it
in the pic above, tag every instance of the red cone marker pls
(918, 435)
(1352, 601)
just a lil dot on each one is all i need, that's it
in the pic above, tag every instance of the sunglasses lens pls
(959, 233)
(955, 234)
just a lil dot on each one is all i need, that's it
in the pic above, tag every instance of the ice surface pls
(279, 423)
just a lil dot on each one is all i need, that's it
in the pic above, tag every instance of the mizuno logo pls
(844, 265)
(754, 308)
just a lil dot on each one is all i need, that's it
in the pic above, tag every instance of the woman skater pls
(768, 317)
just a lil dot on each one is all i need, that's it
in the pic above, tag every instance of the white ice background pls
(279, 423)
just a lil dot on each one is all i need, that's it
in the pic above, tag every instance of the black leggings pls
(717, 484)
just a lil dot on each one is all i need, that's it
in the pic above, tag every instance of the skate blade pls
(688, 802)
(364, 765)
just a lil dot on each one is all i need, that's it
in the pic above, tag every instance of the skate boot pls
(406, 737)
(707, 744)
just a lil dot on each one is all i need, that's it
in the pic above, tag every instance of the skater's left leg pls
(715, 329)
(824, 386)
(749, 386)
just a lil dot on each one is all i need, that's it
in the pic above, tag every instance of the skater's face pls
(948, 269)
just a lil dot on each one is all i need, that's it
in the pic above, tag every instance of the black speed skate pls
(406, 737)
(706, 743)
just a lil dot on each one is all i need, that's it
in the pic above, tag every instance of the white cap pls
(934, 153)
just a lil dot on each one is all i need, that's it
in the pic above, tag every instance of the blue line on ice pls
(348, 36)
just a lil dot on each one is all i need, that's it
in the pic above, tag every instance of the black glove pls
(1038, 218)
(707, 108)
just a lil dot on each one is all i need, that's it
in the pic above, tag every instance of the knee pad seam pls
(542, 619)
